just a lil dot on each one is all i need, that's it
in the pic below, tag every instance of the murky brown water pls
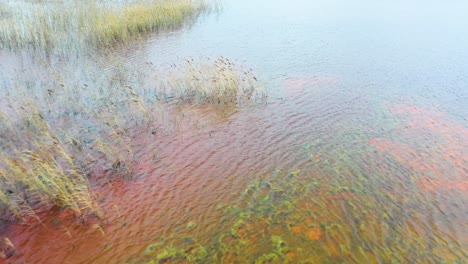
(367, 108)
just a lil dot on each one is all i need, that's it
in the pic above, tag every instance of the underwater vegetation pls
(299, 217)
(349, 205)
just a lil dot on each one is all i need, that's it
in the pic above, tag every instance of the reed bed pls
(46, 163)
(113, 26)
(35, 167)
(56, 132)
(68, 26)
(213, 81)
(55, 138)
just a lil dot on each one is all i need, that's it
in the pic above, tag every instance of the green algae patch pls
(286, 217)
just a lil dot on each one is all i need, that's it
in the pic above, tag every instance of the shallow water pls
(367, 112)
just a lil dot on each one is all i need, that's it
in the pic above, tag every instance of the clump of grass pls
(213, 81)
(68, 26)
(46, 161)
(110, 26)
(39, 169)
(56, 132)
(36, 25)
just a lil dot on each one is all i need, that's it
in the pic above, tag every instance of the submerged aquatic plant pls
(299, 217)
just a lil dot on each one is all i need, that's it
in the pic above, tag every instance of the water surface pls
(359, 156)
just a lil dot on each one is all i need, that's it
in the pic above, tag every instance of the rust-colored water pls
(214, 153)
(367, 103)
(180, 177)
